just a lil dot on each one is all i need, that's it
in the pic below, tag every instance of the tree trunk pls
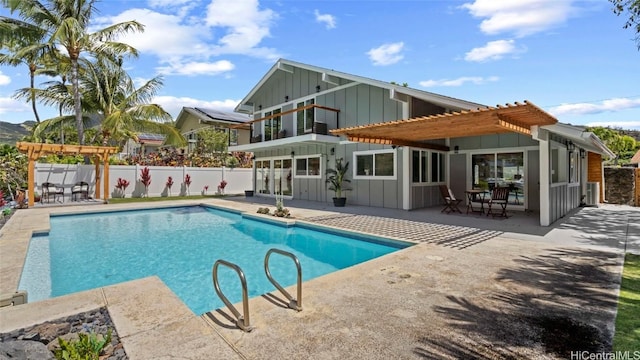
(32, 74)
(77, 105)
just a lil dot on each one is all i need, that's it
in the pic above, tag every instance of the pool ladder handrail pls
(242, 321)
(295, 304)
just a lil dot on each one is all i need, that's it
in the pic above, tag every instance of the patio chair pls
(80, 188)
(499, 197)
(51, 189)
(451, 203)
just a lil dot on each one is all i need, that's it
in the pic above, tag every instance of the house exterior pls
(403, 143)
(192, 119)
(145, 144)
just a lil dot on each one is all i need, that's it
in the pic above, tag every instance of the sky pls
(571, 58)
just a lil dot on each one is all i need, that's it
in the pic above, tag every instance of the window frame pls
(372, 176)
(307, 157)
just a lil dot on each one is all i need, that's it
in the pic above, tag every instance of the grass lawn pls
(627, 337)
(161, 198)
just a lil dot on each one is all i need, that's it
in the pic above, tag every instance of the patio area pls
(472, 287)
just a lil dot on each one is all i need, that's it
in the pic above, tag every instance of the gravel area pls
(97, 321)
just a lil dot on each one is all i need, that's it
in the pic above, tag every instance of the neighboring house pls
(636, 159)
(192, 119)
(402, 143)
(147, 143)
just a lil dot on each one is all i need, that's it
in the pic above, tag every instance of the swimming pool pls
(180, 246)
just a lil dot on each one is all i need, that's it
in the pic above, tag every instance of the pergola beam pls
(36, 150)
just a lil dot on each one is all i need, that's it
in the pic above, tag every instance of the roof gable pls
(331, 76)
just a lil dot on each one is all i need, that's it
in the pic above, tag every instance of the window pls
(489, 171)
(573, 167)
(308, 166)
(305, 118)
(425, 171)
(233, 136)
(437, 167)
(559, 164)
(377, 164)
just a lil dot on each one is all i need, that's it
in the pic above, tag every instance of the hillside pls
(11, 133)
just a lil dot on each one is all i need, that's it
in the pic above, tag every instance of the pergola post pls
(98, 153)
(96, 161)
(105, 159)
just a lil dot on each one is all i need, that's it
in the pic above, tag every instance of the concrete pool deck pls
(471, 287)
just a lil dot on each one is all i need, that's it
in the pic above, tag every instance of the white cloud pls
(168, 3)
(493, 50)
(386, 54)
(616, 124)
(197, 68)
(246, 26)
(328, 19)
(176, 37)
(610, 105)
(477, 80)
(166, 36)
(4, 79)
(520, 17)
(10, 105)
(173, 104)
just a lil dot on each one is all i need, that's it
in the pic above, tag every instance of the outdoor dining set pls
(496, 200)
(79, 191)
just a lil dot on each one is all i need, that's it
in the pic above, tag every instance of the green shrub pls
(87, 347)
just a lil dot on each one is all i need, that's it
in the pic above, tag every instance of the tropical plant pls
(187, 182)
(145, 179)
(169, 184)
(632, 7)
(121, 185)
(86, 347)
(337, 177)
(64, 24)
(205, 189)
(221, 186)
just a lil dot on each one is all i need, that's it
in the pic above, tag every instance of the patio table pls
(475, 195)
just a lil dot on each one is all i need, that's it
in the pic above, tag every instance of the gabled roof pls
(636, 158)
(582, 138)
(397, 91)
(211, 116)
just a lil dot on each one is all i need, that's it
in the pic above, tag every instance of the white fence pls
(66, 176)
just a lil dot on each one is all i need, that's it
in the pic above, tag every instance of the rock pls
(19, 350)
(49, 332)
(55, 344)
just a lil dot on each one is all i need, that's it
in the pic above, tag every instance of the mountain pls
(12, 133)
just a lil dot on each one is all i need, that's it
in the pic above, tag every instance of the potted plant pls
(336, 178)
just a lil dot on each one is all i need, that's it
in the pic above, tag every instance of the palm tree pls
(20, 52)
(66, 24)
(124, 110)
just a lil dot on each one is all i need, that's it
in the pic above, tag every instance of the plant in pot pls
(336, 179)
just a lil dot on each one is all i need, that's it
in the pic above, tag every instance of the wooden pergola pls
(100, 154)
(482, 121)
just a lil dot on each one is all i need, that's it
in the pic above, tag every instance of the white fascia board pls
(581, 138)
(246, 108)
(287, 142)
(398, 96)
(330, 79)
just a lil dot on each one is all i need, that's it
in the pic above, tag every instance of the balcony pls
(291, 127)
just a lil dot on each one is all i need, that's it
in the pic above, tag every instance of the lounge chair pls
(80, 188)
(451, 203)
(51, 189)
(499, 197)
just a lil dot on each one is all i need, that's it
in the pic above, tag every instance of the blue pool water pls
(180, 245)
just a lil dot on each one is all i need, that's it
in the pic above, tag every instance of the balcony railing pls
(288, 126)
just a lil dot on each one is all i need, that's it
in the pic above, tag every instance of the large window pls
(378, 164)
(489, 171)
(304, 119)
(272, 125)
(263, 175)
(559, 164)
(428, 166)
(574, 169)
(308, 166)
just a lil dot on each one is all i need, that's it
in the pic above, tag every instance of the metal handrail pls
(293, 303)
(242, 321)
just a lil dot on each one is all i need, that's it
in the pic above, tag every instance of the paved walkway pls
(472, 287)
